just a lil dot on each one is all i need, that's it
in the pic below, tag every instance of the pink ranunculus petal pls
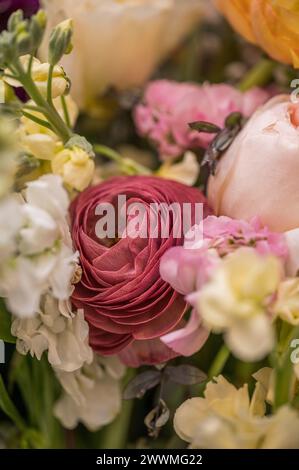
(188, 340)
(149, 352)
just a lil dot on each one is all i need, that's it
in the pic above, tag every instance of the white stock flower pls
(57, 330)
(9, 226)
(92, 394)
(226, 418)
(119, 43)
(234, 302)
(35, 248)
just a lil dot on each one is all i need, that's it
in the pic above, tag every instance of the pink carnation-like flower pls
(126, 302)
(187, 268)
(168, 107)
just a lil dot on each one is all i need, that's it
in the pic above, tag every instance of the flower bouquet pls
(149, 224)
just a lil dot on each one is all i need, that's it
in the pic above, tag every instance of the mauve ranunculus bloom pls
(7, 7)
(123, 296)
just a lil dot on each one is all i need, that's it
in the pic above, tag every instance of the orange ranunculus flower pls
(272, 24)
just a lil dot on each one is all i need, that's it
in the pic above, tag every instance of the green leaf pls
(233, 120)
(204, 126)
(9, 408)
(141, 384)
(5, 324)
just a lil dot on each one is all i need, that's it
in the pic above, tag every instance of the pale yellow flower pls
(226, 419)
(75, 167)
(234, 302)
(40, 141)
(8, 155)
(40, 74)
(287, 303)
(185, 172)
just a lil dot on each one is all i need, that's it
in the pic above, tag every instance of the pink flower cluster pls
(187, 268)
(168, 107)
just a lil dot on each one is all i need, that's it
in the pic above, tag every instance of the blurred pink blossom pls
(168, 107)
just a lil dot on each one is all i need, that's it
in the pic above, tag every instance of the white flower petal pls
(251, 340)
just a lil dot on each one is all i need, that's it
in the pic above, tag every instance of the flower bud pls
(24, 43)
(75, 167)
(60, 41)
(14, 20)
(8, 48)
(37, 27)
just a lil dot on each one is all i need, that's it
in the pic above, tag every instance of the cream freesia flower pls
(57, 330)
(92, 394)
(234, 302)
(40, 74)
(119, 43)
(75, 167)
(226, 419)
(264, 390)
(287, 302)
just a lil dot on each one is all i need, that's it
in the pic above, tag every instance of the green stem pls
(284, 373)
(259, 75)
(8, 75)
(39, 121)
(30, 107)
(49, 85)
(108, 152)
(116, 435)
(127, 165)
(49, 111)
(30, 65)
(65, 111)
(219, 362)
